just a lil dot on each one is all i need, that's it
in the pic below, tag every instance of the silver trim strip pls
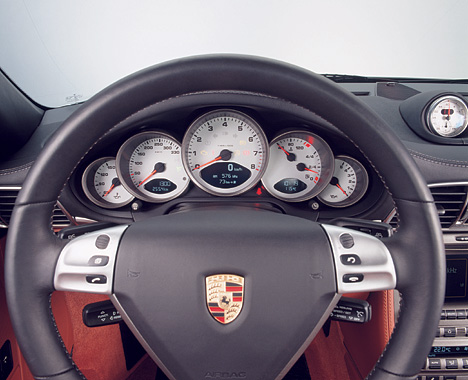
(73, 264)
(376, 267)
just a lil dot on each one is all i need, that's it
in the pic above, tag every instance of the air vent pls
(7, 201)
(450, 201)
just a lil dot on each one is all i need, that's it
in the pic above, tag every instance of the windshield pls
(62, 52)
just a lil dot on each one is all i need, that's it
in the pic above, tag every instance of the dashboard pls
(224, 155)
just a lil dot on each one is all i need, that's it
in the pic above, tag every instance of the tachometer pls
(102, 185)
(300, 166)
(225, 152)
(150, 167)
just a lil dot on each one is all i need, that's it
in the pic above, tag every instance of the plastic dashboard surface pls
(439, 163)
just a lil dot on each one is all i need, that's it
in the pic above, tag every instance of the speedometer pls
(225, 152)
(150, 167)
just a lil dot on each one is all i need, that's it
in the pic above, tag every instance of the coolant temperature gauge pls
(347, 185)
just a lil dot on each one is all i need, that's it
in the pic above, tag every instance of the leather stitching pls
(17, 169)
(435, 160)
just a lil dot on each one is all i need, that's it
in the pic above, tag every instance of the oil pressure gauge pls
(102, 186)
(347, 185)
(447, 116)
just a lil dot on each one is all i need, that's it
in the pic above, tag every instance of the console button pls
(355, 277)
(461, 314)
(465, 363)
(438, 332)
(451, 314)
(461, 331)
(434, 364)
(442, 315)
(450, 378)
(461, 238)
(451, 363)
(350, 259)
(98, 261)
(102, 241)
(347, 241)
(450, 331)
(96, 279)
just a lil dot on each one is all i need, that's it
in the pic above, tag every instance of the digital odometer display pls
(225, 175)
(160, 186)
(290, 186)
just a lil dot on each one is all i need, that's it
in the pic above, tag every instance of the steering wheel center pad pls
(289, 287)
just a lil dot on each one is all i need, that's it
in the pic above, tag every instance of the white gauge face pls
(300, 166)
(102, 185)
(448, 116)
(225, 152)
(348, 184)
(150, 165)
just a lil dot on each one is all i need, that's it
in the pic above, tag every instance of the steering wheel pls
(157, 268)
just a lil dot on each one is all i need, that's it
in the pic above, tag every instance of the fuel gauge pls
(347, 185)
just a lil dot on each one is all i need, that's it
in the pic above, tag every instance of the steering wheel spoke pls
(363, 263)
(86, 263)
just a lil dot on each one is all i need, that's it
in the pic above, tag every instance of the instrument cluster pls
(225, 153)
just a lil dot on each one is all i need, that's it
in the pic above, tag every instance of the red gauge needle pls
(301, 167)
(284, 150)
(339, 187)
(224, 155)
(108, 191)
(334, 182)
(158, 168)
(115, 183)
(290, 156)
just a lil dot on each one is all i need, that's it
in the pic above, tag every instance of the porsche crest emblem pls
(225, 296)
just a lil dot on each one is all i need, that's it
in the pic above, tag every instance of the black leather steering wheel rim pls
(417, 248)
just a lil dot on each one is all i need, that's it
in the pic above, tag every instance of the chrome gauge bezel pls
(362, 184)
(203, 121)
(123, 170)
(433, 105)
(87, 183)
(326, 161)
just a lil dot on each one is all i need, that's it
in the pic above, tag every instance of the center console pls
(448, 358)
